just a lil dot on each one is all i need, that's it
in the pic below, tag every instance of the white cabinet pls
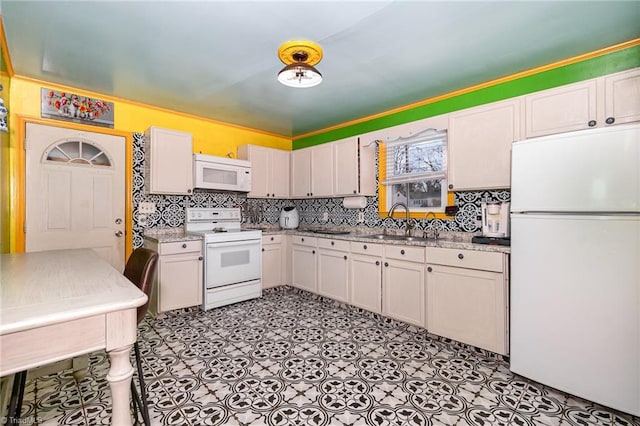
(178, 283)
(322, 171)
(562, 109)
(602, 101)
(365, 276)
(354, 169)
(273, 261)
(467, 297)
(403, 285)
(333, 269)
(269, 171)
(622, 97)
(303, 263)
(168, 161)
(480, 145)
(301, 173)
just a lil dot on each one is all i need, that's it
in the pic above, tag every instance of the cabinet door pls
(303, 259)
(468, 305)
(403, 290)
(480, 145)
(260, 171)
(280, 173)
(170, 161)
(622, 91)
(333, 274)
(563, 109)
(271, 265)
(365, 282)
(346, 167)
(180, 281)
(300, 173)
(322, 170)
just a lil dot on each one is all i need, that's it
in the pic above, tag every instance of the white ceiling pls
(218, 59)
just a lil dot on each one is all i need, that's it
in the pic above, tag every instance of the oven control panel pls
(213, 214)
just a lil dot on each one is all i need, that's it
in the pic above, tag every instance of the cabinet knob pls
(184, 246)
(364, 246)
(262, 248)
(401, 251)
(592, 123)
(610, 120)
(119, 234)
(355, 192)
(188, 191)
(311, 193)
(267, 194)
(377, 262)
(345, 257)
(271, 238)
(313, 252)
(302, 239)
(460, 256)
(429, 269)
(308, 194)
(386, 264)
(200, 258)
(450, 186)
(332, 243)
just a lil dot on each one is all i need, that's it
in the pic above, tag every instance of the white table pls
(55, 305)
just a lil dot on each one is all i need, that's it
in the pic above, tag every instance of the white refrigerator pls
(575, 264)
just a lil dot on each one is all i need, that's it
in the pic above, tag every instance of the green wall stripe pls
(590, 68)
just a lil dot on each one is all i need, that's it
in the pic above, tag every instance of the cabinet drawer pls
(304, 241)
(473, 259)
(271, 239)
(367, 248)
(179, 247)
(333, 244)
(410, 253)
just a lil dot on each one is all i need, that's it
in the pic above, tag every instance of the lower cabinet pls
(365, 276)
(333, 268)
(303, 263)
(467, 297)
(178, 282)
(273, 261)
(403, 285)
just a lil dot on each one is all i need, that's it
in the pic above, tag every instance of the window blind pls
(419, 157)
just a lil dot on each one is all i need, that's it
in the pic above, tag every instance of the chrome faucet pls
(408, 226)
(435, 231)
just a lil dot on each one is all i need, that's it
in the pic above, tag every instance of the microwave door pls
(222, 177)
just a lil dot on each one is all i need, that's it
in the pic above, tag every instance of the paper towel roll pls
(354, 202)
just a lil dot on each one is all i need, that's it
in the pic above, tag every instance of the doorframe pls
(18, 177)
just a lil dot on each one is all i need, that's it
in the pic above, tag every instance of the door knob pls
(119, 233)
(118, 221)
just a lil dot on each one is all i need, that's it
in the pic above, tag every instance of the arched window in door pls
(77, 152)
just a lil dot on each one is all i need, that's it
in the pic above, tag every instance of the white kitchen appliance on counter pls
(495, 219)
(232, 256)
(575, 270)
(289, 218)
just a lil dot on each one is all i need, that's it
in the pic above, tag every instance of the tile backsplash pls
(170, 208)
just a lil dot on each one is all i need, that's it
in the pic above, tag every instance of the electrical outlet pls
(325, 216)
(360, 216)
(146, 208)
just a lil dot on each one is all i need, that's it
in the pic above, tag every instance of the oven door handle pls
(233, 243)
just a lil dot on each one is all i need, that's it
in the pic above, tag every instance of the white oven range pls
(232, 269)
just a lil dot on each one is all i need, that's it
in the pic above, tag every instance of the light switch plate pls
(146, 207)
(360, 216)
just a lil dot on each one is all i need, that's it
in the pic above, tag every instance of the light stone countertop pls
(452, 240)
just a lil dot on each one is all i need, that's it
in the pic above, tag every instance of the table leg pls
(119, 377)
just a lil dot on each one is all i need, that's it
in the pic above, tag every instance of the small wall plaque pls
(80, 109)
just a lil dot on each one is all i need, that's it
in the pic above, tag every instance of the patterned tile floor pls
(293, 358)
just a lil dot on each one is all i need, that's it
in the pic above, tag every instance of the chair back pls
(141, 270)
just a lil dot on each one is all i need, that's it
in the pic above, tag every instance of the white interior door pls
(75, 191)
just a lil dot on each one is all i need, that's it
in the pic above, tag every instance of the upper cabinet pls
(269, 171)
(563, 109)
(603, 101)
(335, 169)
(622, 97)
(480, 145)
(354, 170)
(301, 173)
(168, 161)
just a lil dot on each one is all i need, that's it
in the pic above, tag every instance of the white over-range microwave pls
(221, 173)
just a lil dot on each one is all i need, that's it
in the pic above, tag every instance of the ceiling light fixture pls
(300, 56)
